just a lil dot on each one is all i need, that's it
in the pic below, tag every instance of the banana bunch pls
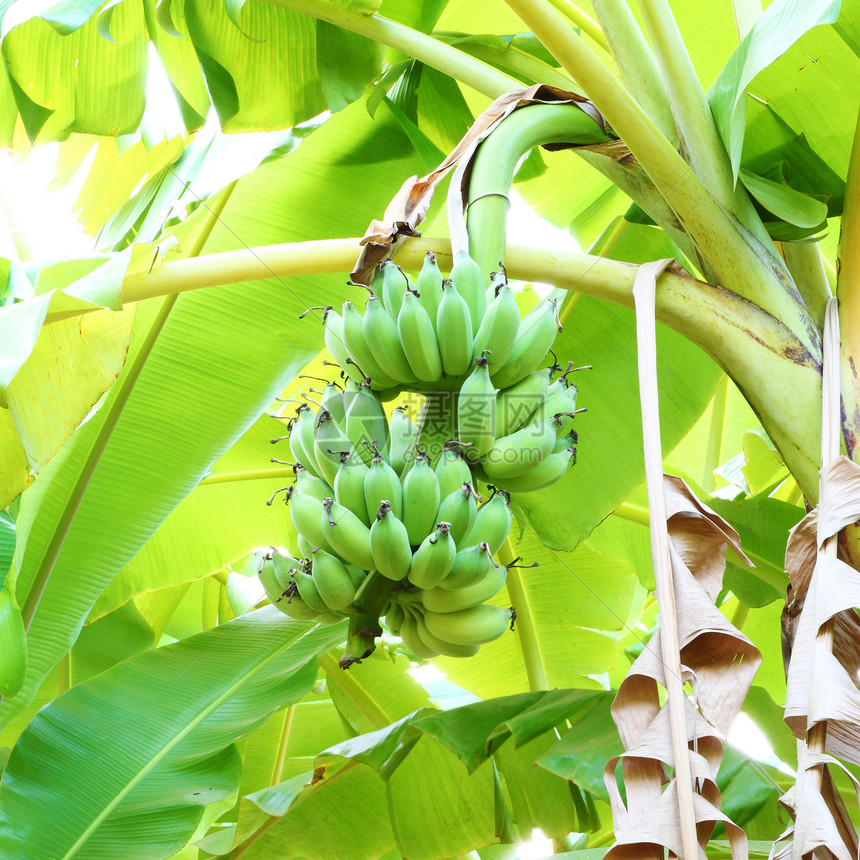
(399, 526)
(384, 529)
(427, 333)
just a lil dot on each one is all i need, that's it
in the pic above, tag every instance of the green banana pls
(429, 283)
(566, 441)
(274, 578)
(359, 349)
(472, 626)
(311, 485)
(418, 337)
(329, 617)
(459, 509)
(515, 405)
(498, 330)
(452, 471)
(437, 422)
(332, 401)
(349, 486)
(454, 331)
(564, 420)
(389, 543)
(413, 642)
(544, 474)
(394, 286)
(534, 340)
(366, 425)
(305, 516)
(434, 558)
(493, 522)
(447, 649)
(560, 398)
(420, 500)
(382, 483)
(13, 642)
(329, 440)
(445, 600)
(294, 607)
(347, 534)
(470, 565)
(335, 344)
(308, 591)
(403, 434)
(302, 440)
(521, 451)
(305, 549)
(476, 411)
(375, 287)
(394, 618)
(471, 284)
(332, 579)
(381, 335)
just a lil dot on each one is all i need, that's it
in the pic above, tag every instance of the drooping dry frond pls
(822, 687)
(718, 661)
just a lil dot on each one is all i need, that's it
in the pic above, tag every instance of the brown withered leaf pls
(409, 206)
(718, 661)
(822, 682)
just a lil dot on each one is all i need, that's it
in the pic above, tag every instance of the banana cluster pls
(427, 333)
(366, 509)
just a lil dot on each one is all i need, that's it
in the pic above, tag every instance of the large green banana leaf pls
(190, 702)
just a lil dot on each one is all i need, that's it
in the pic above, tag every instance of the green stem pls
(716, 433)
(525, 623)
(246, 475)
(848, 293)
(739, 616)
(369, 604)
(746, 13)
(517, 62)
(610, 238)
(632, 513)
(700, 140)
(568, 308)
(356, 693)
(437, 421)
(635, 63)
(413, 43)
(737, 262)
(283, 742)
(806, 265)
(496, 160)
(579, 19)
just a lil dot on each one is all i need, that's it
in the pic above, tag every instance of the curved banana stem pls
(496, 160)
